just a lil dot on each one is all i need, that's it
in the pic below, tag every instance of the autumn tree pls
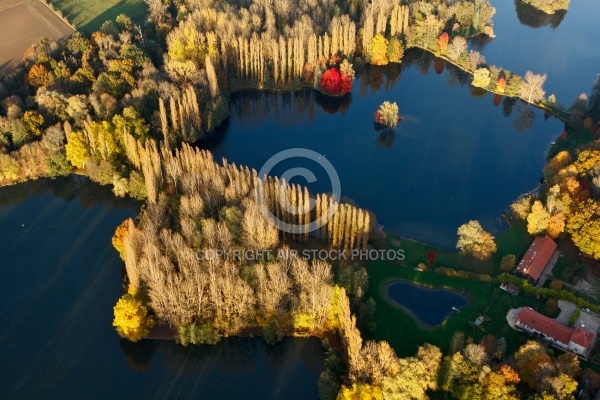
(118, 239)
(528, 358)
(501, 85)
(549, 6)
(132, 320)
(257, 231)
(443, 42)
(556, 225)
(77, 150)
(584, 227)
(347, 77)
(521, 207)
(474, 241)
(387, 114)
(531, 88)
(395, 50)
(34, 122)
(379, 50)
(481, 78)
(586, 161)
(360, 391)
(39, 75)
(331, 81)
(457, 47)
(537, 220)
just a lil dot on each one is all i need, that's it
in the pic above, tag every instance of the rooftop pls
(555, 329)
(582, 337)
(546, 325)
(536, 258)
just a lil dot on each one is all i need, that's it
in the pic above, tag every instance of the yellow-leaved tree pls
(360, 391)
(379, 50)
(131, 317)
(584, 227)
(537, 220)
(77, 150)
(33, 122)
(473, 240)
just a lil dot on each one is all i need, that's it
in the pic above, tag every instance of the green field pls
(89, 15)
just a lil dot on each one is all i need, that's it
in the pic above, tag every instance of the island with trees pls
(124, 105)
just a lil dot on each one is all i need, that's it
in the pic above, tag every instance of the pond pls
(429, 307)
(458, 154)
(59, 280)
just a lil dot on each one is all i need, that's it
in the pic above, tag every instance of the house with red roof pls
(536, 259)
(578, 341)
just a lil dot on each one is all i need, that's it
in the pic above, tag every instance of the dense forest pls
(121, 105)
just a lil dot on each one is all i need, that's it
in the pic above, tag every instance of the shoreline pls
(388, 282)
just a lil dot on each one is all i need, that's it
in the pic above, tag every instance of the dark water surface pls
(429, 307)
(60, 278)
(459, 154)
(562, 45)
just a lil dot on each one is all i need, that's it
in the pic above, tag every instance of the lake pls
(459, 153)
(563, 45)
(429, 307)
(59, 280)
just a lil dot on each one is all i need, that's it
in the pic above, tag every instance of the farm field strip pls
(24, 23)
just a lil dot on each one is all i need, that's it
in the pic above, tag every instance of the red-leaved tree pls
(346, 83)
(331, 81)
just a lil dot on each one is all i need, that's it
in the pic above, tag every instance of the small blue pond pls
(430, 307)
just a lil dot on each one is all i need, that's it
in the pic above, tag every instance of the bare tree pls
(531, 88)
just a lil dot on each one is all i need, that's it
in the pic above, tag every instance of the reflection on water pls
(429, 307)
(456, 156)
(562, 45)
(73, 187)
(531, 16)
(59, 280)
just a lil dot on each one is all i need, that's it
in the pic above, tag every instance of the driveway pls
(566, 310)
(511, 317)
(547, 273)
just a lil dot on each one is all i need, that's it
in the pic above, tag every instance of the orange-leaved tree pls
(443, 42)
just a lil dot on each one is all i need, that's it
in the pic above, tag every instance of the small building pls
(536, 259)
(581, 341)
(578, 341)
(510, 288)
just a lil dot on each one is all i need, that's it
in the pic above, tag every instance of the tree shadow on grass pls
(134, 9)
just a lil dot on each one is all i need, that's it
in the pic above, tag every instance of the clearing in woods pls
(23, 23)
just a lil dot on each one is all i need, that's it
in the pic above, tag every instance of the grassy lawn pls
(89, 15)
(515, 241)
(485, 298)
(405, 335)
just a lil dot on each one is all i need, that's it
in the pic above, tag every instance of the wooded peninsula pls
(125, 105)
